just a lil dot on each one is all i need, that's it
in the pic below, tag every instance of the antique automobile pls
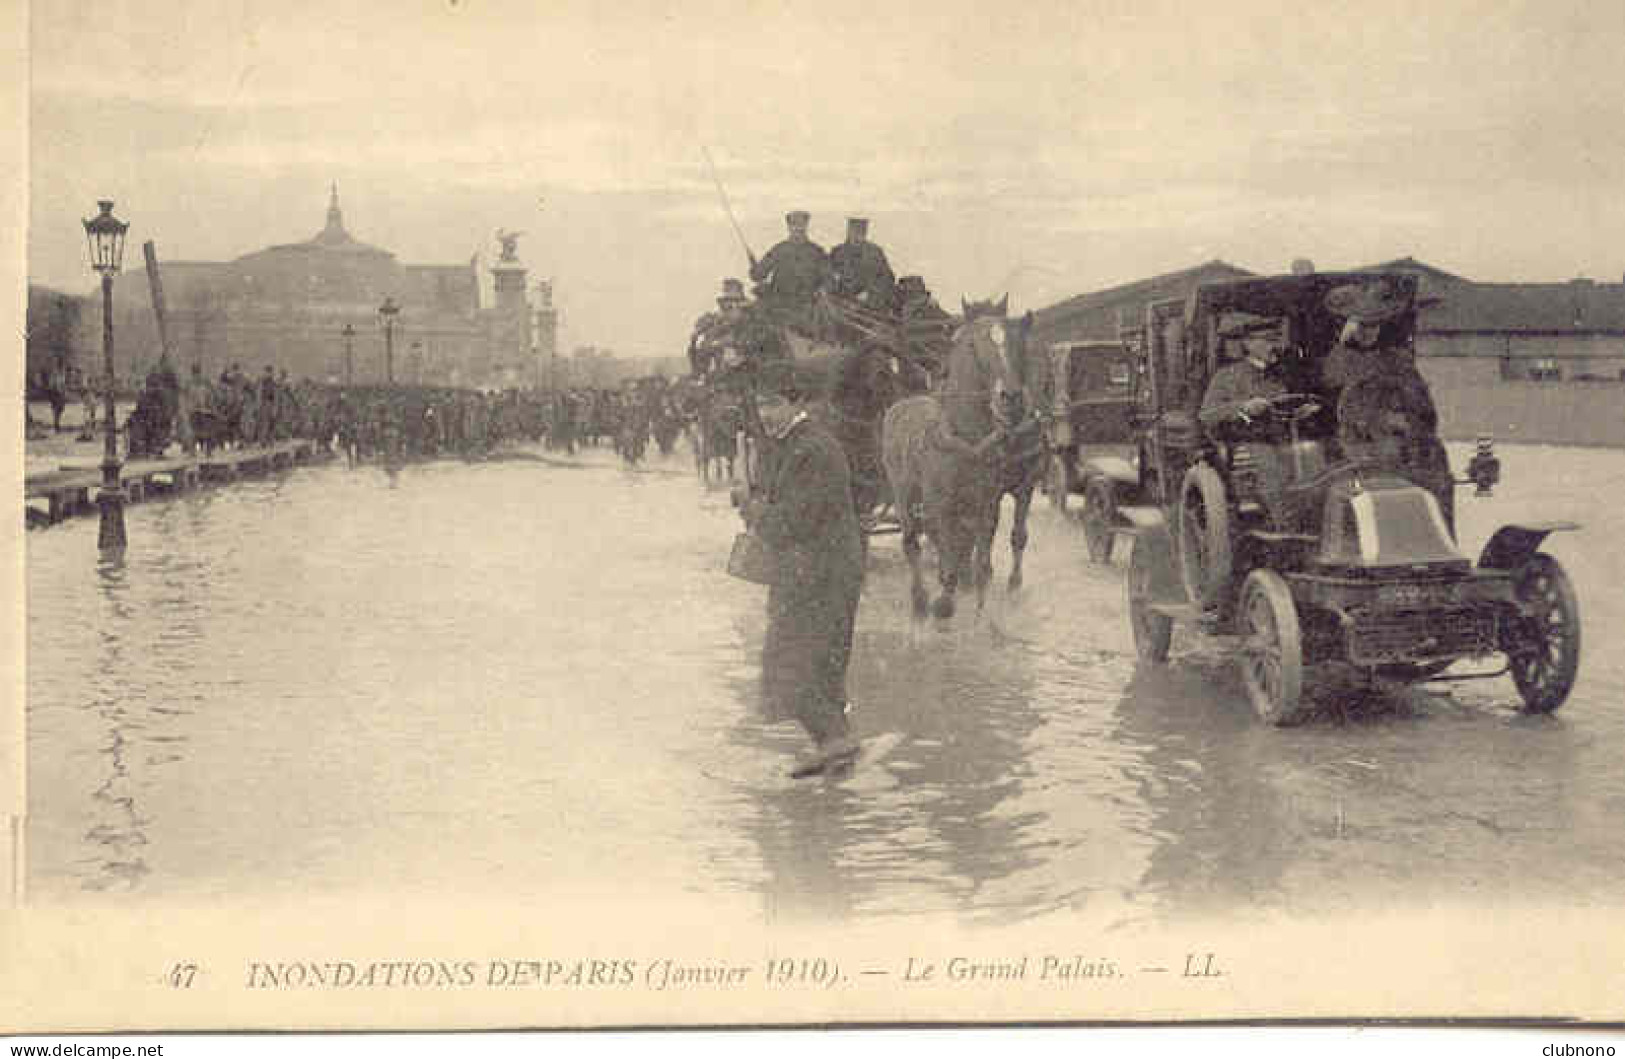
(1309, 543)
(1094, 393)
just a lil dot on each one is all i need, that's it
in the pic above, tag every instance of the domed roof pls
(333, 238)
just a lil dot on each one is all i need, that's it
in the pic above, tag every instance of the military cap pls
(733, 290)
(797, 218)
(858, 224)
(1369, 303)
(1239, 324)
(912, 285)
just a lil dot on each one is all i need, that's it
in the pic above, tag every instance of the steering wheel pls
(1295, 406)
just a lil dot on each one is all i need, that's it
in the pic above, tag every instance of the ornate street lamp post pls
(387, 312)
(105, 234)
(349, 354)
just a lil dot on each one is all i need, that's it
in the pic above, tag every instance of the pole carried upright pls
(183, 395)
(726, 206)
(151, 254)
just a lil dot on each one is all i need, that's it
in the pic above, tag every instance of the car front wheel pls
(1271, 648)
(1543, 647)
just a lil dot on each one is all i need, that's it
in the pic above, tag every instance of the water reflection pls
(927, 827)
(115, 839)
(1203, 774)
(528, 675)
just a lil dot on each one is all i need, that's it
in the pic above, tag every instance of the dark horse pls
(859, 387)
(951, 457)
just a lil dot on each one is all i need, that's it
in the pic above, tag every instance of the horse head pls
(989, 357)
(973, 310)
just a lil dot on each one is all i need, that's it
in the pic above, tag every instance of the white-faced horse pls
(951, 456)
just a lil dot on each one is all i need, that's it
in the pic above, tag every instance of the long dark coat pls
(862, 268)
(810, 526)
(1377, 387)
(789, 277)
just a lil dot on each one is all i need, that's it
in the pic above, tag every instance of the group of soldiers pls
(234, 410)
(643, 410)
(415, 422)
(237, 410)
(790, 275)
(848, 294)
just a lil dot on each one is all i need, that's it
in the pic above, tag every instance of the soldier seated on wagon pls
(859, 269)
(789, 276)
(711, 330)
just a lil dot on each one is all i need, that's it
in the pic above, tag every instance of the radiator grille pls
(1400, 636)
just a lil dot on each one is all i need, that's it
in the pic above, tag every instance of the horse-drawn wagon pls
(862, 359)
(1311, 538)
(935, 437)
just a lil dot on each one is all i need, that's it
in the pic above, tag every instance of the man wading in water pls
(806, 520)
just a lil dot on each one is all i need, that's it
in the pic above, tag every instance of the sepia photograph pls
(730, 513)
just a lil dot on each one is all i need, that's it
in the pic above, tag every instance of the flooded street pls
(530, 678)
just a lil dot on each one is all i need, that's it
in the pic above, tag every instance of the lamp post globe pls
(105, 235)
(387, 313)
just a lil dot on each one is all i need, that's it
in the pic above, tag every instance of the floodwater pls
(529, 679)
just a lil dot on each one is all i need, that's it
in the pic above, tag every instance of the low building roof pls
(1576, 307)
(1142, 288)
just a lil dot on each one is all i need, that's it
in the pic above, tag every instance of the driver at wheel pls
(1240, 392)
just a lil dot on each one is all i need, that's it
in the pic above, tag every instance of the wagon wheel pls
(1059, 482)
(1543, 646)
(1152, 630)
(1206, 561)
(1099, 518)
(1272, 648)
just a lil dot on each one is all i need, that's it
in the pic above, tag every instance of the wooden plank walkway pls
(71, 491)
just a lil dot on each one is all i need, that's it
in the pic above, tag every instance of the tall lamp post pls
(105, 234)
(349, 354)
(387, 313)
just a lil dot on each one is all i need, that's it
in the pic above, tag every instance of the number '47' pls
(182, 975)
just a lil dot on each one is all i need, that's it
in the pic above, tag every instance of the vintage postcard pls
(737, 514)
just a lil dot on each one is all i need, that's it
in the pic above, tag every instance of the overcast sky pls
(1044, 148)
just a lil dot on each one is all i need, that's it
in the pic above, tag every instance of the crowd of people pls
(237, 410)
(629, 418)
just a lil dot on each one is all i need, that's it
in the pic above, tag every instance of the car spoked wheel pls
(1205, 559)
(1099, 512)
(1152, 631)
(1271, 648)
(1544, 643)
